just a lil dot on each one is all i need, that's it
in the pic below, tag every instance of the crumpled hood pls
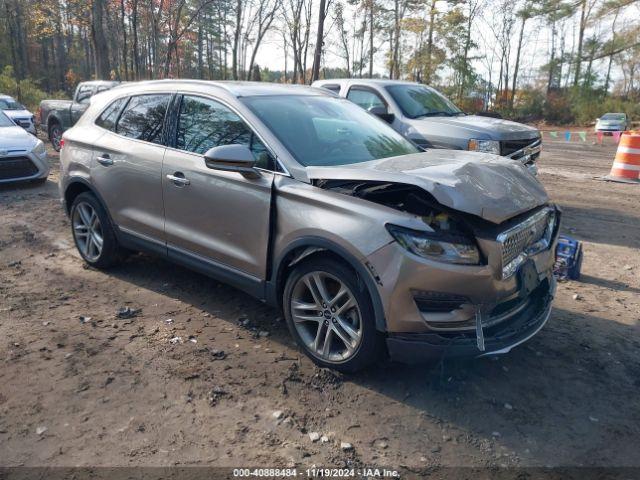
(488, 127)
(485, 185)
(16, 138)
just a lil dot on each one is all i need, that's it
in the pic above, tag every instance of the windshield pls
(613, 116)
(421, 101)
(323, 131)
(9, 104)
(5, 122)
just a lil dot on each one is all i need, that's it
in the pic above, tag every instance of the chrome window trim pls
(129, 97)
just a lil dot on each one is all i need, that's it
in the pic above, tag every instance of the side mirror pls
(231, 158)
(381, 112)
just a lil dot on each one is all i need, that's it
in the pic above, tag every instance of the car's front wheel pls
(93, 233)
(330, 315)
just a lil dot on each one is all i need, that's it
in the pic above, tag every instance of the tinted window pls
(204, 124)
(365, 98)
(326, 131)
(84, 94)
(109, 117)
(143, 118)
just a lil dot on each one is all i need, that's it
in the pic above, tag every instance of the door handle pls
(178, 179)
(105, 160)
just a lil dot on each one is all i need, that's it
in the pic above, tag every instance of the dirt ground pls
(205, 375)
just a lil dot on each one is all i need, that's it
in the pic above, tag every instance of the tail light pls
(61, 143)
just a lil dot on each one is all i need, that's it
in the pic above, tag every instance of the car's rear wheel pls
(93, 233)
(55, 135)
(329, 313)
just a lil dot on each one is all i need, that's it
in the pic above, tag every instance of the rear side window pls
(143, 118)
(365, 98)
(109, 117)
(204, 124)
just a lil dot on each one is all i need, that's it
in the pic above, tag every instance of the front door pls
(220, 217)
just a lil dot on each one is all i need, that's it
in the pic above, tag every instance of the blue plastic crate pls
(568, 258)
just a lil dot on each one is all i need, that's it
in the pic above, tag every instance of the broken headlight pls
(437, 246)
(487, 146)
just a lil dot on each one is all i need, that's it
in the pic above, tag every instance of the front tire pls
(330, 315)
(93, 232)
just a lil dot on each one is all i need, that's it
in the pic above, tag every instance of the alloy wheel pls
(87, 231)
(56, 137)
(326, 316)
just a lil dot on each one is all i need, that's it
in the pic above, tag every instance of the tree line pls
(477, 51)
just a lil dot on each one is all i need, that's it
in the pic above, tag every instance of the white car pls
(22, 156)
(18, 113)
(612, 122)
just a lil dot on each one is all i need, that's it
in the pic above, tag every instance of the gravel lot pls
(205, 375)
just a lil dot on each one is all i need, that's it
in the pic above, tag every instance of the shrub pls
(25, 91)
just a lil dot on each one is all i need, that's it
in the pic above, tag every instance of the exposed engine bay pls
(402, 197)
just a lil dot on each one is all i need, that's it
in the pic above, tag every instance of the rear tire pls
(330, 315)
(93, 232)
(55, 135)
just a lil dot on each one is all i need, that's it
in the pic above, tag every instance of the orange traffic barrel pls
(626, 165)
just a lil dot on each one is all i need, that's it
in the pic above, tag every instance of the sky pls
(536, 46)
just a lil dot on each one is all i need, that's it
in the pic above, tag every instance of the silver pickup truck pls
(430, 120)
(56, 116)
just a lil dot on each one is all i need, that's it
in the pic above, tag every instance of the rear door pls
(127, 164)
(211, 215)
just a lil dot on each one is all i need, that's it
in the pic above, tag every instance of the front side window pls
(365, 98)
(204, 124)
(326, 131)
(420, 101)
(109, 117)
(143, 118)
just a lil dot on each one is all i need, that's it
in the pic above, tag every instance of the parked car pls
(612, 122)
(430, 120)
(22, 156)
(309, 203)
(56, 116)
(18, 113)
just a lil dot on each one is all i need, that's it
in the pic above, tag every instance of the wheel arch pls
(75, 187)
(51, 119)
(306, 247)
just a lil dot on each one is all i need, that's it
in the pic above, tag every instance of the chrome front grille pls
(527, 238)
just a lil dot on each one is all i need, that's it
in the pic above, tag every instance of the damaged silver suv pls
(313, 205)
